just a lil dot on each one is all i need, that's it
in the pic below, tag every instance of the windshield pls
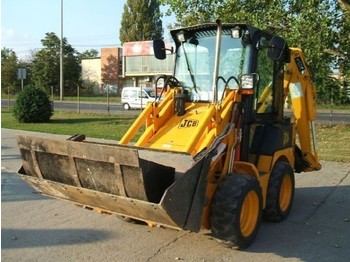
(196, 59)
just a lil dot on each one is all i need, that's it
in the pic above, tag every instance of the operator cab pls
(196, 60)
(213, 57)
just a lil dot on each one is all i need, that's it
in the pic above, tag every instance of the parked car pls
(133, 97)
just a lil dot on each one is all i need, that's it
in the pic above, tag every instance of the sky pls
(87, 24)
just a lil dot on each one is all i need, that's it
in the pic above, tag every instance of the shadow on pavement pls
(317, 229)
(28, 238)
(13, 188)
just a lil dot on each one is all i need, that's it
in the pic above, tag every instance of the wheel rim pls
(285, 193)
(249, 214)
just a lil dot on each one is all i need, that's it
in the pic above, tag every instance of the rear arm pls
(298, 83)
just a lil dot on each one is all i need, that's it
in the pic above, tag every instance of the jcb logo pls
(188, 123)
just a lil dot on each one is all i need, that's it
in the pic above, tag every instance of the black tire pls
(236, 211)
(280, 193)
(126, 106)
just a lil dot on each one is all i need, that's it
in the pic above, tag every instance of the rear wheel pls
(236, 211)
(280, 192)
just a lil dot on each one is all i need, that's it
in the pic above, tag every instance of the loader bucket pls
(155, 186)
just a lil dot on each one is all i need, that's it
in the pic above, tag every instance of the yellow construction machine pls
(216, 149)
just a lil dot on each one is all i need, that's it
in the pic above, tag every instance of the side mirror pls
(159, 49)
(249, 81)
(276, 48)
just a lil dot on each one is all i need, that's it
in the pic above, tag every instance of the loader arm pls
(299, 85)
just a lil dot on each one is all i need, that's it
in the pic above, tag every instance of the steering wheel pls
(172, 81)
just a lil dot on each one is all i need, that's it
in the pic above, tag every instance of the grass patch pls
(70, 123)
(333, 141)
(334, 107)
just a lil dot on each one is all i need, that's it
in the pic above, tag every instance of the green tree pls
(141, 20)
(32, 106)
(46, 65)
(189, 12)
(342, 51)
(319, 27)
(92, 53)
(8, 70)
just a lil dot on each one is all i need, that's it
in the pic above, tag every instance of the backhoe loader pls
(216, 149)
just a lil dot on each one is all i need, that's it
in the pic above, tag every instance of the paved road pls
(113, 108)
(323, 116)
(36, 228)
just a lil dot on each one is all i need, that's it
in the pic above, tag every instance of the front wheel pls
(280, 192)
(236, 211)
(126, 106)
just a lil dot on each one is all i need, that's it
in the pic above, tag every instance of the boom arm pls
(298, 83)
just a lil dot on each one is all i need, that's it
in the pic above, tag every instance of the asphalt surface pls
(87, 107)
(37, 228)
(324, 116)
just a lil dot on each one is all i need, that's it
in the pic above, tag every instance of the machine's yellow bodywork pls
(202, 155)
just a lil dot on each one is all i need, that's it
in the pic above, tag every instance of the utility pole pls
(61, 55)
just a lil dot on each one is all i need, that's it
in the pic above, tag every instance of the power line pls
(97, 45)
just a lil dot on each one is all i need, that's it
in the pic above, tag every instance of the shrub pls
(32, 106)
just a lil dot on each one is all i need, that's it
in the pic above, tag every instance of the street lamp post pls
(61, 55)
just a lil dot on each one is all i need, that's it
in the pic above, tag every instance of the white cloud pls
(19, 42)
(7, 33)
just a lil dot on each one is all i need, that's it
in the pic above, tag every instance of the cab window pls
(269, 94)
(265, 67)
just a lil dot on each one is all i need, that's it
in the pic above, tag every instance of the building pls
(111, 66)
(132, 65)
(91, 73)
(140, 66)
(101, 71)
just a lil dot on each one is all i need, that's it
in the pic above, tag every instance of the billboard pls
(140, 48)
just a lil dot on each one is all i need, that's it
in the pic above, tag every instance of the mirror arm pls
(170, 49)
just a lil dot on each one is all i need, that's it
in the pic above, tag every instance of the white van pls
(131, 97)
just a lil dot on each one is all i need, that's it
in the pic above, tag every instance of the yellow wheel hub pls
(285, 193)
(249, 213)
